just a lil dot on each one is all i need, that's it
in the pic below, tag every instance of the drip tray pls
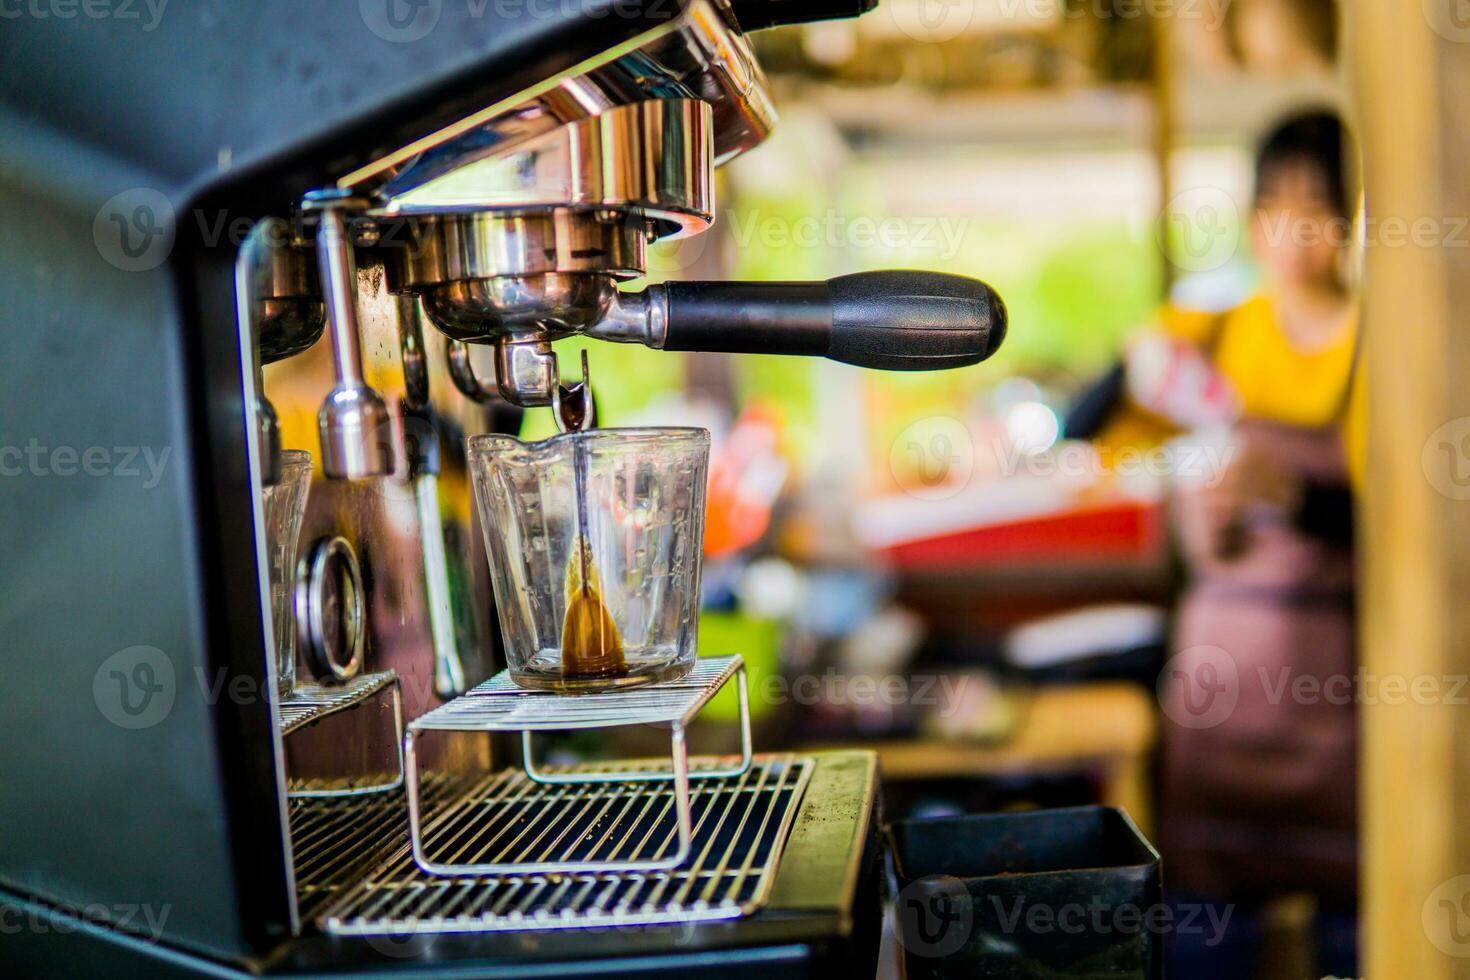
(740, 828)
(339, 839)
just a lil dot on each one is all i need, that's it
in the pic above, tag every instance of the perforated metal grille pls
(741, 824)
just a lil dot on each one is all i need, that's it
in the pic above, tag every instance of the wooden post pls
(1411, 77)
(1162, 100)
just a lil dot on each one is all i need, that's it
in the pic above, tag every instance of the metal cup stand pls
(499, 705)
(307, 705)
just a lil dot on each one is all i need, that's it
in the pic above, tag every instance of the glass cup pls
(594, 541)
(285, 505)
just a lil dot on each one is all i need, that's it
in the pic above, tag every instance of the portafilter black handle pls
(893, 321)
(755, 15)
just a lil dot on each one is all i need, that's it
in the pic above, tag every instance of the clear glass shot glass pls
(285, 505)
(595, 541)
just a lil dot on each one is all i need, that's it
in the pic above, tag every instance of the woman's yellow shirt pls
(1273, 379)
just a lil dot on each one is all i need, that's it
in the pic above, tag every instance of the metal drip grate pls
(499, 705)
(335, 840)
(740, 828)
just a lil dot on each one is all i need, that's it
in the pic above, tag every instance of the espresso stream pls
(590, 644)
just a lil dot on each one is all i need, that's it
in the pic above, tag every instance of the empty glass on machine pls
(594, 541)
(285, 504)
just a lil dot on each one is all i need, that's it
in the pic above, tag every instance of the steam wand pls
(354, 421)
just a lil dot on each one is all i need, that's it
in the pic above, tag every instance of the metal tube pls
(355, 425)
(339, 286)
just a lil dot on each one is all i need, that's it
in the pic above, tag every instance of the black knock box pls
(1048, 893)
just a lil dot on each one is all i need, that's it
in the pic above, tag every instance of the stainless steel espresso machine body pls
(233, 224)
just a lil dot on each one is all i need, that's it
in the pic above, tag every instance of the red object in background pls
(746, 476)
(1130, 529)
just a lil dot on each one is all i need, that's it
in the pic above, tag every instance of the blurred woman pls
(1259, 787)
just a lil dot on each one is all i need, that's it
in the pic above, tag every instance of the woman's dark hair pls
(1317, 139)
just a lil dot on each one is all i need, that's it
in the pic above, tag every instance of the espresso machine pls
(242, 232)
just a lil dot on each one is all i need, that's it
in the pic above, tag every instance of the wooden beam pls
(1411, 83)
